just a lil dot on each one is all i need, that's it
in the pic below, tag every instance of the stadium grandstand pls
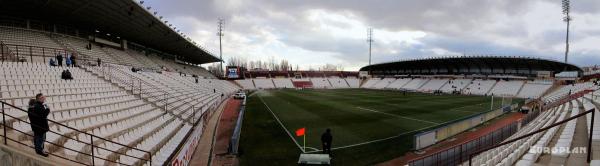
(478, 75)
(137, 97)
(122, 86)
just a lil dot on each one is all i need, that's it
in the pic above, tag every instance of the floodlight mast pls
(370, 41)
(566, 8)
(220, 33)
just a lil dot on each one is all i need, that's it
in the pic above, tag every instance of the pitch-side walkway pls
(461, 138)
(203, 150)
(224, 132)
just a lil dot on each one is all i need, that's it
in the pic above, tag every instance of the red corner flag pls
(300, 132)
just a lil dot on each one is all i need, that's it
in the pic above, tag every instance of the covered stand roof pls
(125, 18)
(471, 65)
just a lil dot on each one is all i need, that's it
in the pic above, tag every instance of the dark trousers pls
(38, 141)
(327, 149)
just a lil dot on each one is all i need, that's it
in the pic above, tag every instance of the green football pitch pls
(368, 126)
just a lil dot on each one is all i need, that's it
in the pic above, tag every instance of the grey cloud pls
(452, 25)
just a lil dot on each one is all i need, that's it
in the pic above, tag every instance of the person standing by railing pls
(59, 58)
(68, 61)
(38, 116)
(73, 59)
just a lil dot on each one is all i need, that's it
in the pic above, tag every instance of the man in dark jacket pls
(326, 139)
(73, 59)
(59, 58)
(38, 116)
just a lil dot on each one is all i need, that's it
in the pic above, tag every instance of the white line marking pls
(394, 115)
(314, 149)
(457, 109)
(373, 141)
(283, 126)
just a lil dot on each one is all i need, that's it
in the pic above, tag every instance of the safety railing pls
(6, 53)
(589, 143)
(567, 98)
(234, 142)
(92, 147)
(144, 90)
(26, 53)
(460, 153)
(196, 131)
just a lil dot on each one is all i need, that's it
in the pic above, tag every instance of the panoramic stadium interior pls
(132, 91)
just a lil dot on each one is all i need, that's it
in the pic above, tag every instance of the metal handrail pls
(92, 136)
(37, 51)
(131, 83)
(589, 152)
(43, 53)
(187, 136)
(2, 50)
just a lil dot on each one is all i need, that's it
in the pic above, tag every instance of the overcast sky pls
(314, 32)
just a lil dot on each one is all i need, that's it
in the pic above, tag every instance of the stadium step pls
(492, 87)
(520, 89)
(346, 81)
(545, 158)
(423, 84)
(580, 139)
(132, 143)
(595, 138)
(28, 155)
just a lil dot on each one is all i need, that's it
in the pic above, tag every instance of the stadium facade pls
(471, 65)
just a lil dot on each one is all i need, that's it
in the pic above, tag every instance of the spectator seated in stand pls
(66, 75)
(52, 62)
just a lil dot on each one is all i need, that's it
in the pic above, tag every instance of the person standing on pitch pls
(38, 116)
(326, 139)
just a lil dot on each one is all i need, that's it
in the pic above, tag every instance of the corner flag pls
(300, 132)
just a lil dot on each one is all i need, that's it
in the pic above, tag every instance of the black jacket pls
(326, 138)
(38, 116)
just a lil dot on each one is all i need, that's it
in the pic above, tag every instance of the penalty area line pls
(394, 115)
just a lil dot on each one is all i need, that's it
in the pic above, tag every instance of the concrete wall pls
(11, 156)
